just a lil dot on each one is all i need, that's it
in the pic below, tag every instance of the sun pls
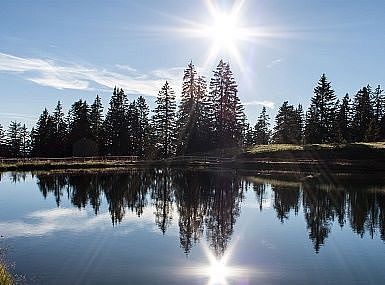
(224, 31)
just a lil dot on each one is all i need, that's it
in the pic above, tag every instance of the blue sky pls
(66, 50)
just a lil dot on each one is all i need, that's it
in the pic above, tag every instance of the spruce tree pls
(116, 126)
(287, 129)
(133, 124)
(193, 120)
(14, 139)
(2, 142)
(205, 118)
(96, 121)
(379, 103)
(186, 123)
(343, 121)
(59, 132)
(25, 141)
(262, 131)
(320, 116)
(228, 111)
(42, 136)
(143, 134)
(249, 138)
(165, 121)
(79, 130)
(299, 125)
(363, 116)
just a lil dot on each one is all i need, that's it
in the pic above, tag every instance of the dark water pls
(171, 226)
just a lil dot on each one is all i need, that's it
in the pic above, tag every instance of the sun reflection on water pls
(217, 270)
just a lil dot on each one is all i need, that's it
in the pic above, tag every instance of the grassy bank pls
(353, 151)
(5, 276)
(300, 158)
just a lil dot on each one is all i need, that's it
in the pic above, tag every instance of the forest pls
(209, 116)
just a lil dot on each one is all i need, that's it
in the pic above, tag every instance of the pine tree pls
(343, 121)
(2, 142)
(186, 123)
(193, 120)
(228, 111)
(320, 116)
(59, 132)
(299, 125)
(287, 129)
(96, 121)
(363, 116)
(379, 102)
(14, 140)
(205, 118)
(42, 136)
(208, 116)
(116, 126)
(25, 141)
(133, 124)
(79, 130)
(262, 131)
(165, 121)
(379, 111)
(143, 134)
(249, 138)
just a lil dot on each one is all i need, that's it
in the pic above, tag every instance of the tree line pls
(209, 116)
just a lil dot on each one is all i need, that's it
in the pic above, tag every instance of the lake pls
(174, 226)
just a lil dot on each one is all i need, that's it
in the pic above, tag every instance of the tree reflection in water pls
(208, 203)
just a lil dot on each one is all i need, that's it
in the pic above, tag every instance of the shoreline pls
(256, 164)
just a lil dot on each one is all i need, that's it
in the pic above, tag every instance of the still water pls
(172, 226)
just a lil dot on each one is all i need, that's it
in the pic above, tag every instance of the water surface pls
(172, 226)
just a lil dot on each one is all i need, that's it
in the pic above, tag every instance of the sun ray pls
(227, 33)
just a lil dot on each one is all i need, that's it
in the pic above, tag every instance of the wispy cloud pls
(17, 116)
(45, 222)
(274, 63)
(268, 104)
(64, 75)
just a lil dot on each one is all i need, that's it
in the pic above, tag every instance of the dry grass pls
(5, 276)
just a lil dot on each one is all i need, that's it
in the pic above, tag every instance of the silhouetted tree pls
(262, 131)
(43, 135)
(228, 111)
(2, 142)
(25, 143)
(14, 139)
(165, 121)
(96, 121)
(249, 137)
(287, 129)
(343, 121)
(192, 122)
(79, 129)
(59, 133)
(116, 124)
(364, 127)
(320, 116)
(143, 132)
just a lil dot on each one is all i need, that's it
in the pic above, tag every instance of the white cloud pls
(268, 104)
(17, 116)
(274, 63)
(47, 72)
(45, 222)
(126, 67)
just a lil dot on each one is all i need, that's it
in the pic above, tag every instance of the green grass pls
(362, 150)
(5, 276)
